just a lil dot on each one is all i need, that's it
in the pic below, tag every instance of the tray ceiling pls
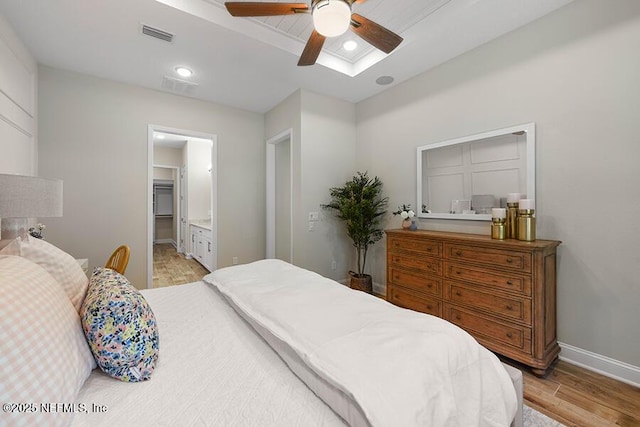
(396, 15)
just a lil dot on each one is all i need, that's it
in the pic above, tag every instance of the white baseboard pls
(379, 288)
(165, 241)
(606, 366)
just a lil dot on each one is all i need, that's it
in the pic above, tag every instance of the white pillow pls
(62, 266)
(44, 357)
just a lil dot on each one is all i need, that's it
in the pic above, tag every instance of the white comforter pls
(401, 367)
(213, 370)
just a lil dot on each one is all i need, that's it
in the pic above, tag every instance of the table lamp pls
(23, 197)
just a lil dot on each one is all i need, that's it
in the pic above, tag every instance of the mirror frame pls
(530, 131)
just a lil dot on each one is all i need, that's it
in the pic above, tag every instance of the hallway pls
(171, 268)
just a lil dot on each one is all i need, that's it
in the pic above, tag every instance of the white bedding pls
(213, 370)
(400, 367)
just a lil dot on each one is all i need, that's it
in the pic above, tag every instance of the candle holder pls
(498, 223)
(498, 228)
(512, 220)
(526, 225)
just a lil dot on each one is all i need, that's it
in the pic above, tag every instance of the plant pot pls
(361, 282)
(406, 224)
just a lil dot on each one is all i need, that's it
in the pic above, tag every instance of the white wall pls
(327, 160)
(575, 74)
(323, 151)
(167, 156)
(94, 137)
(18, 97)
(198, 179)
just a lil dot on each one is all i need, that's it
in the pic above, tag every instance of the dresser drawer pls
(423, 283)
(413, 301)
(511, 335)
(424, 263)
(428, 247)
(518, 261)
(507, 282)
(506, 307)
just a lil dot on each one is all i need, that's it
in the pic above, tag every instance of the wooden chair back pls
(119, 259)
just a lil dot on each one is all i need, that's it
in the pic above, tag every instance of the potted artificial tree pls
(359, 203)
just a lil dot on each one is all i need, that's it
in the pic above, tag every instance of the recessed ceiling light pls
(384, 80)
(184, 71)
(350, 45)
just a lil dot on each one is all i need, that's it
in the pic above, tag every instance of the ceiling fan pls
(331, 18)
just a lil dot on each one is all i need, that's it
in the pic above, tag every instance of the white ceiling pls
(251, 63)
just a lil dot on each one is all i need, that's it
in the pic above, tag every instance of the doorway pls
(186, 160)
(279, 197)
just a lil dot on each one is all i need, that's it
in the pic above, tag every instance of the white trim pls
(214, 191)
(178, 211)
(283, 136)
(171, 241)
(604, 365)
(379, 288)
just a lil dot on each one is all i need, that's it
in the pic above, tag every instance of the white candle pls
(513, 197)
(499, 213)
(527, 204)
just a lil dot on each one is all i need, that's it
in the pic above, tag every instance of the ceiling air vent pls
(156, 33)
(177, 85)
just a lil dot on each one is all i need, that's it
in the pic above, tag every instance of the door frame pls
(178, 212)
(286, 135)
(151, 128)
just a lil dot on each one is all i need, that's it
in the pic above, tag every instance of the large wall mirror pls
(464, 178)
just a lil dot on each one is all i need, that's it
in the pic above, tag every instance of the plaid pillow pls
(62, 266)
(44, 357)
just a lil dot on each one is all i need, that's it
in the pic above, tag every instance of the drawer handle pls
(509, 282)
(458, 272)
(429, 249)
(509, 335)
(396, 277)
(429, 307)
(429, 286)
(458, 317)
(509, 261)
(458, 293)
(459, 253)
(509, 307)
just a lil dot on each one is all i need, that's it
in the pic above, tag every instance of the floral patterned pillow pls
(120, 327)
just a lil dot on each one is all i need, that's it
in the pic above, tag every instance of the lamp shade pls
(331, 18)
(29, 197)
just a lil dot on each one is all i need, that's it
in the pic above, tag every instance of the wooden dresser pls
(503, 292)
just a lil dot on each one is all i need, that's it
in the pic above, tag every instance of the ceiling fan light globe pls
(331, 18)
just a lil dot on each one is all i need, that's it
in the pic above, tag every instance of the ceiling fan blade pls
(375, 34)
(255, 8)
(312, 49)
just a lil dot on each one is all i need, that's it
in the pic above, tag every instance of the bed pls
(262, 344)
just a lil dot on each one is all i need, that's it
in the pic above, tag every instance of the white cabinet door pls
(202, 246)
(208, 257)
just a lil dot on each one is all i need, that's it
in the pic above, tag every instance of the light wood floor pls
(569, 394)
(171, 268)
(577, 397)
